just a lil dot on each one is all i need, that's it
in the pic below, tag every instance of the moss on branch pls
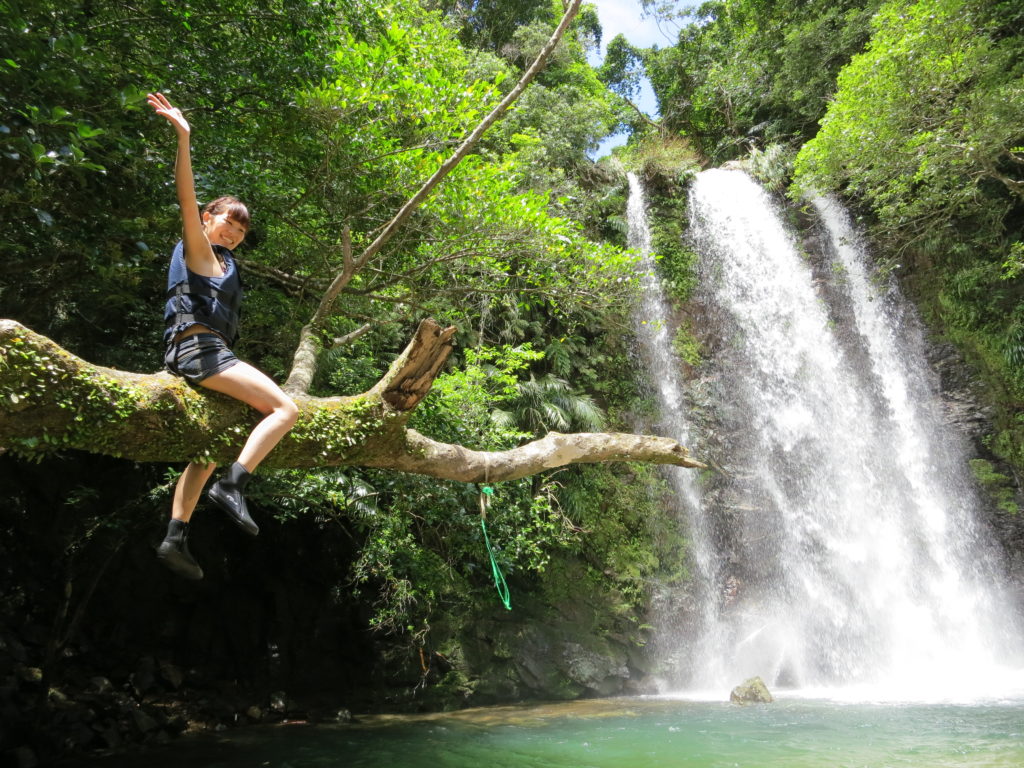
(51, 400)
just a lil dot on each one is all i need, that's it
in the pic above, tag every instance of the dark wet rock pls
(966, 406)
(100, 685)
(16, 650)
(647, 686)
(176, 724)
(30, 674)
(171, 675)
(551, 663)
(57, 697)
(144, 676)
(279, 702)
(80, 735)
(220, 708)
(34, 634)
(603, 674)
(752, 691)
(962, 394)
(111, 735)
(539, 665)
(8, 692)
(143, 722)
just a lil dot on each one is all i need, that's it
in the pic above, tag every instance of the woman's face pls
(221, 230)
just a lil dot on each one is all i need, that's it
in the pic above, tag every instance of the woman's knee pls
(288, 410)
(283, 408)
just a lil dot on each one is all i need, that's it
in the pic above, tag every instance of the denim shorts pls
(198, 357)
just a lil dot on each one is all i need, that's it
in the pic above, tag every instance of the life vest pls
(199, 300)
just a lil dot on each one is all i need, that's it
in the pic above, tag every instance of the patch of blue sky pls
(627, 17)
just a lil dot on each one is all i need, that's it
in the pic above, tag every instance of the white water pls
(861, 572)
(662, 366)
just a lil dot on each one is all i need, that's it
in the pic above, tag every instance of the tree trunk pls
(51, 400)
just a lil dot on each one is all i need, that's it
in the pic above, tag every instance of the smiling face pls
(221, 229)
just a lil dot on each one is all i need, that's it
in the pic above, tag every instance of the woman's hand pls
(162, 106)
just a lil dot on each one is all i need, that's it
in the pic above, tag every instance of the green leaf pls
(86, 131)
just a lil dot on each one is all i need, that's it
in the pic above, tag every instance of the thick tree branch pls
(412, 375)
(423, 456)
(304, 363)
(53, 400)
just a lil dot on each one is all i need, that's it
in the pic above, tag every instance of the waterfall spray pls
(858, 563)
(662, 365)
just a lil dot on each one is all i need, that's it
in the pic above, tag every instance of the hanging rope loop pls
(486, 492)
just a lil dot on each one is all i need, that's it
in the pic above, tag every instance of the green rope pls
(499, 579)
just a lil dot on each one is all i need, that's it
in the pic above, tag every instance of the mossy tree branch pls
(52, 400)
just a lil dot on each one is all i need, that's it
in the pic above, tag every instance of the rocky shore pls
(91, 715)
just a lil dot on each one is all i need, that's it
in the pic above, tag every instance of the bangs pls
(238, 212)
(232, 206)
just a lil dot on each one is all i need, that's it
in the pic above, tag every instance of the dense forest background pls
(370, 589)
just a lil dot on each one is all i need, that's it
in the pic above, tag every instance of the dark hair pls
(232, 206)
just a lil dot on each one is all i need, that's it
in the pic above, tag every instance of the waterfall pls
(662, 365)
(852, 548)
(656, 349)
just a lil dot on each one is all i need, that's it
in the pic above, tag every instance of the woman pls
(203, 298)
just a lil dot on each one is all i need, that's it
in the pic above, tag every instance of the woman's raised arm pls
(199, 255)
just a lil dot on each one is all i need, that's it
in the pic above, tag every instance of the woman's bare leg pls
(250, 385)
(242, 382)
(173, 550)
(186, 492)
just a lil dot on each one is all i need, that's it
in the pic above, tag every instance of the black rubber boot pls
(173, 551)
(226, 493)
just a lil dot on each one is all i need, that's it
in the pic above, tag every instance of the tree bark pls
(52, 400)
(424, 456)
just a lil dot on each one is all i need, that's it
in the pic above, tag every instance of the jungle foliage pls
(925, 134)
(749, 72)
(911, 111)
(324, 117)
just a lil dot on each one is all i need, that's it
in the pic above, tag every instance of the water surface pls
(635, 733)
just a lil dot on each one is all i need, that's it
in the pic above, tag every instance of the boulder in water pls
(752, 691)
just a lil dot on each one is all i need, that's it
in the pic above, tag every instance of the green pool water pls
(635, 733)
